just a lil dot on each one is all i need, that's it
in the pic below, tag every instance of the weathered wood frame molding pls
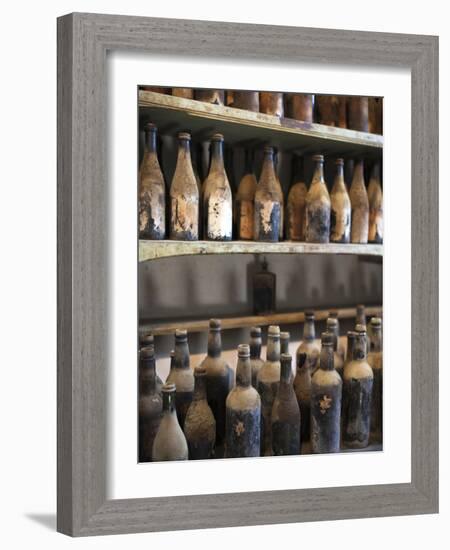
(83, 41)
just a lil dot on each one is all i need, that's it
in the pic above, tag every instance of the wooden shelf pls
(238, 126)
(151, 250)
(162, 329)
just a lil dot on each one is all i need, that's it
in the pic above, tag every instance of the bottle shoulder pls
(247, 188)
(269, 372)
(358, 369)
(323, 377)
(243, 398)
(215, 366)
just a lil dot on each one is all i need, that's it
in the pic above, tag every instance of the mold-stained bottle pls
(255, 353)
(200, 425)
(184, 197)
(268, 201)
(318, 207)
(341, 209)
(360, 206)
(296, 202)
(326, 396)
(375, 196)
(152, 190)
(245, 201)
(375, 360)
(286, 413)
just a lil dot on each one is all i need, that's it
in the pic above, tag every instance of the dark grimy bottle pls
(268, 201)
(219, 378)
(326, 396)
(255, 353)
(309, 345)
(267, 385)
(217, 196)
(318, 207)
(150, 403)
(181, 375)
(152, 190)
(286, 413)
(199, 425)
(375, 360)
(357, 395)
(243, 411)
(341, 209)
(170, 442)
(184, 197)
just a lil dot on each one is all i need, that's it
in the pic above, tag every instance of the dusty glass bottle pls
(327, 109)
(285, 413)
(152, 190)
(150, 403)
(264, 290)
(217, 197)
(360, 206)
(271, 103)
(318, 207)
(357, 395)
(255, 353)
(242, 99)
(147, 339)
(267, 384)
(243, 412)
(268, 201)
(181, 375)
(351, 335)
(299, 106)
(375, 196)
(332, 328)
(245, 201)
(326, 396)
(217, 97)
(358, 113)
(360, 315)
(375, 360)
(284, 342)
(341, 209)
(170, 442)
(334, 314)
(199, 425)
(219, 378)
(184, 197)
(309, 345)
(302, 389)
(296, 202)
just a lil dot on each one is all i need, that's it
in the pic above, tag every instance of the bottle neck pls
(214, 343)
(217, 162)
(168, 402)
(334, 332)
(268, 166)
(358, 172)
(318, 173)
(181, 356)
(309, 330)
(326, 357)
(349, 355)
(273, 348)
(375, 340)
(285, 372)
(255, 348)
(376, 171)
(150, 141)
(147, 376)
(284, 345)
(243, 372)
(200, 387)
(360, 347)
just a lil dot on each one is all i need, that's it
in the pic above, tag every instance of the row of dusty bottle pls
(266, 410)
(354, 112)
(258, 211)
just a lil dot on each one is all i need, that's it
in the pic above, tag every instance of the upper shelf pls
(238, 126)
(151, 250)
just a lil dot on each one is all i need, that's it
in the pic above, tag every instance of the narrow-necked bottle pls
(360, 315)
(299, 106)
(351, 335)
(326, 396)
(217, 197)
(219, 378)
(267, 385)
(170, 442)
(184, 198)
(302, 389)
(286, 413)
(268, 201)
(200, 425)
(284, 342)
(245, 201)
(150, 403)
(318, 207)
(264, 290)
(187, 93)
(255, 353)
(296, 202)
(271, 103)
(152, 190)
(334, 314)
(243, 411)
(341, 209)
(360, 206)
(217, 97)
(181, 375)
(147, 339)
(357, 395)
(375, 360)
(308, 344)
(375, 196)
(332, 328)
(242, 99)
(358, 113)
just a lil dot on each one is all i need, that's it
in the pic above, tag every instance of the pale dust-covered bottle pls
(296, 203)
(318, 207)
(152, 190)
(360, 206)
(184, 197)
(267, 385)
(268, 201)
(375, 196)
(375, 360)
(217, 197)
(341, 210)
(245, 201)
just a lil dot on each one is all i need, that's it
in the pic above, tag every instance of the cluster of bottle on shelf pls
(332, 401)
(353, 112)
(258, 211)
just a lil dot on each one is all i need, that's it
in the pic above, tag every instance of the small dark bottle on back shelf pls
(318, 207)
(264, 290)
(255, 353)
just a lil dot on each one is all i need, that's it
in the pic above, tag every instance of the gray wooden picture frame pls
(83, 41)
